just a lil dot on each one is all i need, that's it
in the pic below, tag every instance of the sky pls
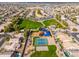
(39, 0)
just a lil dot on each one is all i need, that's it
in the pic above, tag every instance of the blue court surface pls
(46, 32)
(41, 41)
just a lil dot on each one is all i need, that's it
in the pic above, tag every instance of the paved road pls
(75, 36)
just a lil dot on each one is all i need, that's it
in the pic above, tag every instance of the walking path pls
(60, 23)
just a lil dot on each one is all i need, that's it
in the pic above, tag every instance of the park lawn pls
(29, 24)
(52, 22)
(50, 53)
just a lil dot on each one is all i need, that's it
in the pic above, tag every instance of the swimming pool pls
(41, 41)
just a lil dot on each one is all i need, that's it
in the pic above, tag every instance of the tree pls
(25, 30)
(74, 29)
(7, 38)
(16, 28)
(6, 28)
(65, 23)
(74, 19)
(21, 39)
(14, 19)
(58, 17)
(11, 27)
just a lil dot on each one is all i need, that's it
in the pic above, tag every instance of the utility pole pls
(27, 36)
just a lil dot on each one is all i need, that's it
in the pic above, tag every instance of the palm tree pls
(6, 29)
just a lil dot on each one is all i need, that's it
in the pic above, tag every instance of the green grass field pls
(52, 22)
(50, 53)
(30, 24)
